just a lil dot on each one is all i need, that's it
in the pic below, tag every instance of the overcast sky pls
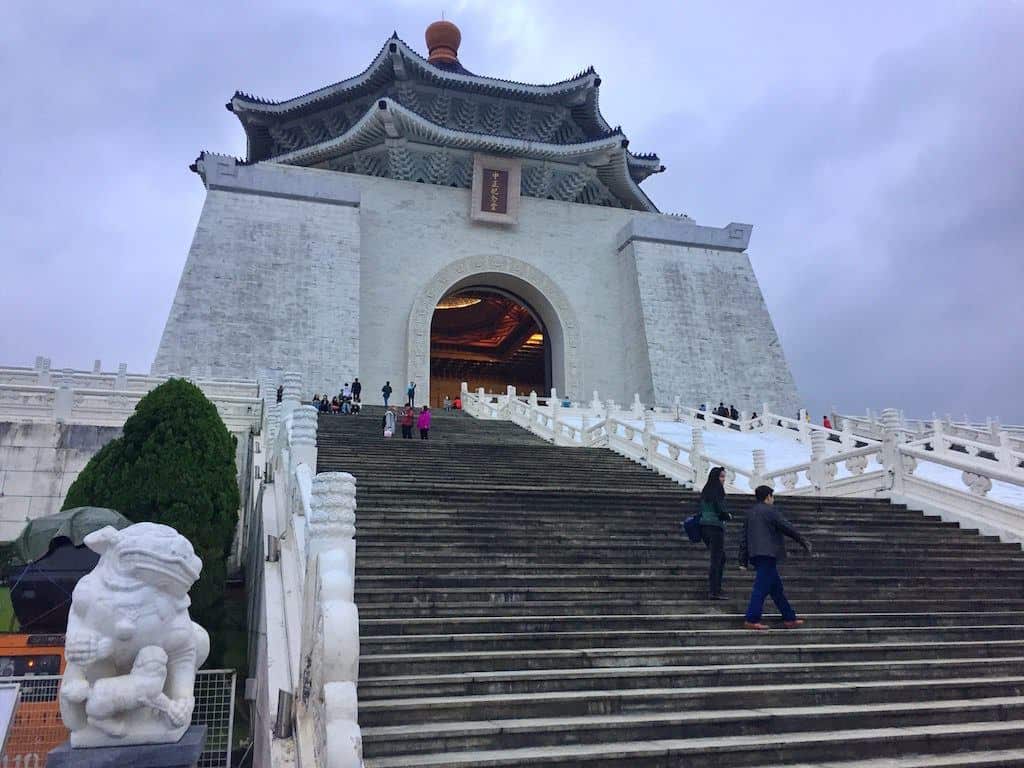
(878, 150)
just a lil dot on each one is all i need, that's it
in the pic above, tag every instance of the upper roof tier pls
(439, 90)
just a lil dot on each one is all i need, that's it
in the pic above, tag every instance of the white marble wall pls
(275, 280)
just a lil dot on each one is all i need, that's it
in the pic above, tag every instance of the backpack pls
(691, 528)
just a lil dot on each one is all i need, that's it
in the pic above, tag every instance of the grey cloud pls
(875, 148)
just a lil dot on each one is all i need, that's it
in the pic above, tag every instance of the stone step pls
(693, 590)
(655, 726)
(453, 709)
(497, 622)
(741, 750)
(650, 582)
(733, 606)
(539, 642)
(625, 678)
(517, 659)
(523, 605)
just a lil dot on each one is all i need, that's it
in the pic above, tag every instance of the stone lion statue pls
(132, 650)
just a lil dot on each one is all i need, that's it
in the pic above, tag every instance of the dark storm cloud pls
(876, 149)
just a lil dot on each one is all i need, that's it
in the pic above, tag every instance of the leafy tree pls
(175, 465)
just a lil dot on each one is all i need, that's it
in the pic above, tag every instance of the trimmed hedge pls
(174, 464)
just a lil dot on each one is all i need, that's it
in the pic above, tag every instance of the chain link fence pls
(38, 727)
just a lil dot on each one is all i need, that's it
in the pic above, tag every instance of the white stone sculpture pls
(132, 650)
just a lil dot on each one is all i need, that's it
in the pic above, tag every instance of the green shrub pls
(174, 464)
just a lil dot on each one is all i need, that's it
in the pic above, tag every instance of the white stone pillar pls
(1004, 453)
(43, 374)
(302, 437)
(697, 460)
(595, 403)
(638, 407)
(332, 517)
(677, 408)
(818, 472)
(609, 409)
(63, 400)
(648, 438)
(97, 366)
(330, 647)
(291, 397)
(121, 384)
(533, 398)
(897, 464)
(760, 468)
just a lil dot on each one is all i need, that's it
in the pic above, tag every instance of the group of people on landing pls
(407, 415)
(349, 400)
(762, 546)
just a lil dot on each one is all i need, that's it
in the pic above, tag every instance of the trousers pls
(767, 582)
(714, 539)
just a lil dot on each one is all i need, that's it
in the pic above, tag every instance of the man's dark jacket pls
(763, 533)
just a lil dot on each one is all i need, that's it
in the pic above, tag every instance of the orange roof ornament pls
(443, 39)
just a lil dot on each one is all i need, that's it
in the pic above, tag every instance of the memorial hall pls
(546, 574)
(419, 222)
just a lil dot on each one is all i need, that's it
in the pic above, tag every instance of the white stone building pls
(364, 205)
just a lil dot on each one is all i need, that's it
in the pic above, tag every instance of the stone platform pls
(182, 754)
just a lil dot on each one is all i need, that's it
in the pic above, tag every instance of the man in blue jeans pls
(763, 546)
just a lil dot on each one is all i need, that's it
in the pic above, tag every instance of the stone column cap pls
(673, 231)
(276, 180)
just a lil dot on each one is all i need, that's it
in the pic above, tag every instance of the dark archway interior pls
(487, 338)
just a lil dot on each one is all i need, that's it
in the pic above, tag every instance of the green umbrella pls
(75, 524)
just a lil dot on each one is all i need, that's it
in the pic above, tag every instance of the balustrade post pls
(330, 644)
(291, 397)
(97, 366)
(697, 461)
(595, 403)
(818, 472)
(121, 383)
(43, 371)
(63, 400)
(1005, 451)
(584, 425)
(893, 460)
(556, 435)
(760, 468)
(332, 516)
(648, 438)
(533, 398)
(677, 408)
(609, 407)
(303, 437)
(638, 407)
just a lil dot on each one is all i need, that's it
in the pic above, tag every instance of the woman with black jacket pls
(713, 516)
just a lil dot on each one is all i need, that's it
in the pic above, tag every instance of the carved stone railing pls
(308, 601)
(44, 395)
(842, 462)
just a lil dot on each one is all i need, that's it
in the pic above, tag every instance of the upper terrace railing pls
(979, 483)
(44, 395)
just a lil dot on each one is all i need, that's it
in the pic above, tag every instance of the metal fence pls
(38, 727)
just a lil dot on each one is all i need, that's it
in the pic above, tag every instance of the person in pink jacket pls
(423, 422)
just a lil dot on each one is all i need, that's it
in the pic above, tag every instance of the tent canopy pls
(75, 524)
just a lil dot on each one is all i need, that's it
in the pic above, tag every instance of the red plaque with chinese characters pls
(494, 192)
(496, 189)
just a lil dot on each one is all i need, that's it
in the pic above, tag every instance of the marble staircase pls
(526, 605)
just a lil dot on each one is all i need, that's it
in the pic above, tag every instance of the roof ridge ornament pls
(443, 39)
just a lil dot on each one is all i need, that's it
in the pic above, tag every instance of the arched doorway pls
(519, 279)
(487, 337)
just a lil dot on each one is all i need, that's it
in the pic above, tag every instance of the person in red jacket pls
(408, 414)
(423, 422)
(825, 422)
